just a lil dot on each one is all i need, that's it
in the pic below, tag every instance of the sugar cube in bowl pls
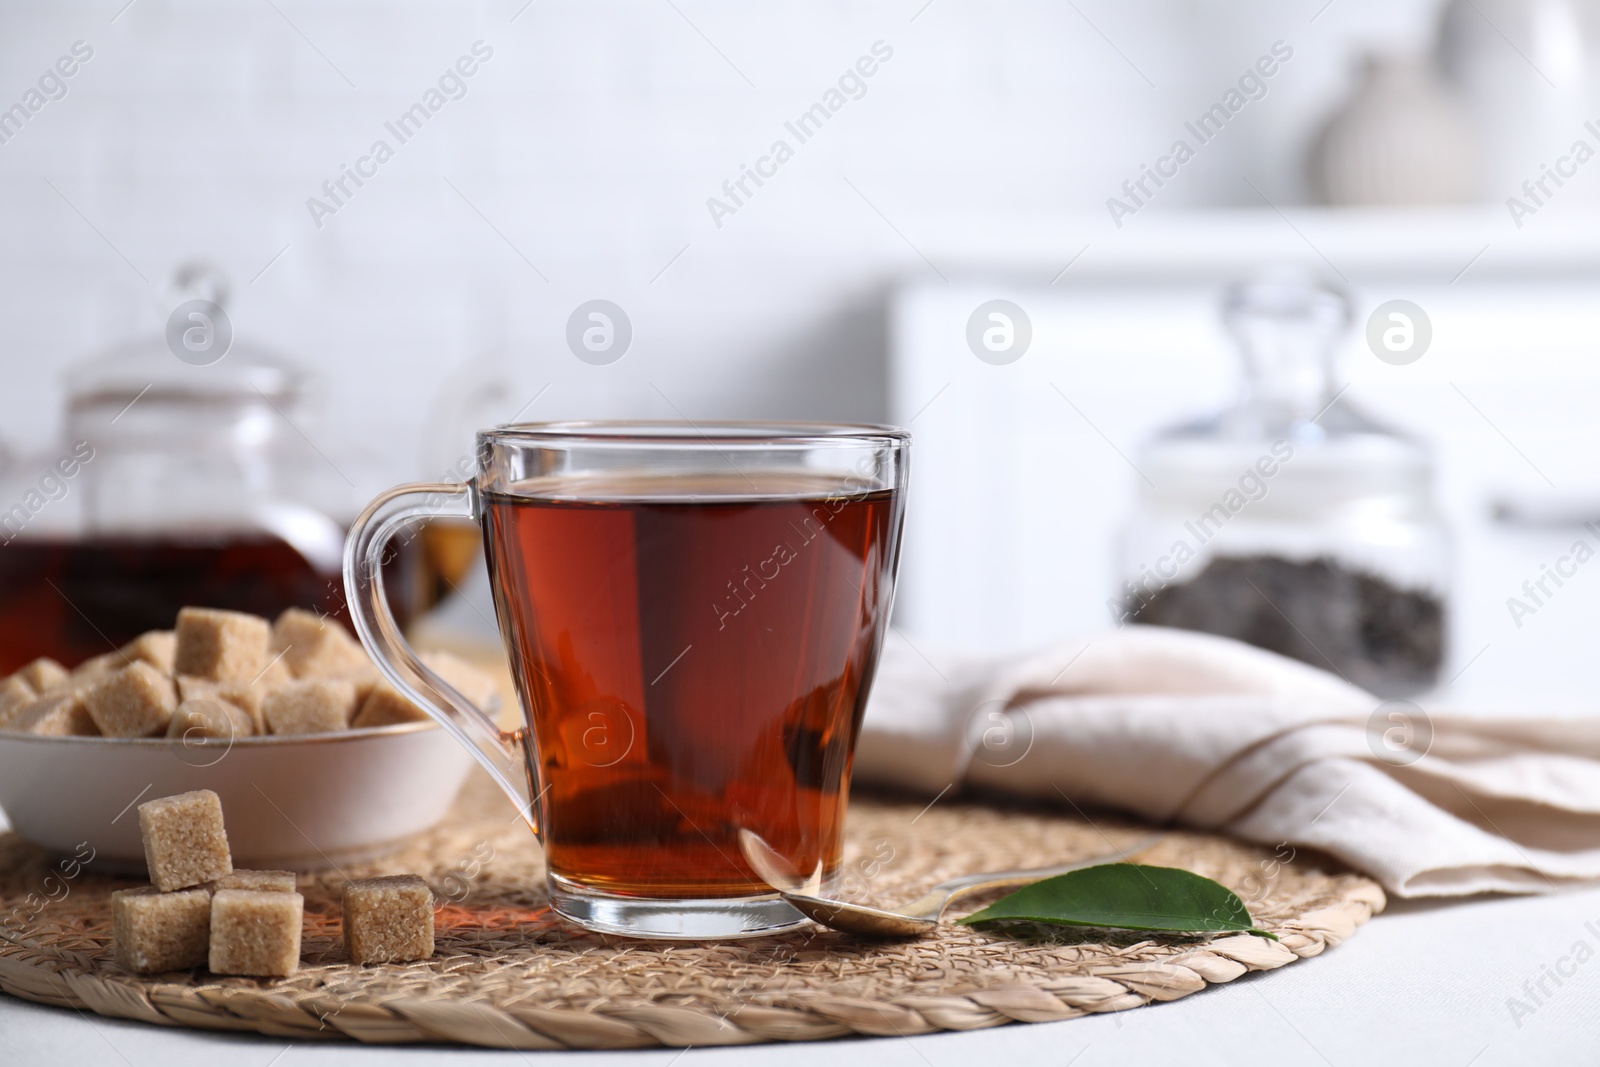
(259, 713)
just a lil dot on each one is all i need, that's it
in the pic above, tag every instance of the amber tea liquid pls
(690, 667)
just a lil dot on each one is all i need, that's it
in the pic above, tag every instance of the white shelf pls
(1475, 243)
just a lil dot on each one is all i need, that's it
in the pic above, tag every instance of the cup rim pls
(684, 432)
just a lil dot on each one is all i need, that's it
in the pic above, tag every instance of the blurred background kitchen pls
(937, 156)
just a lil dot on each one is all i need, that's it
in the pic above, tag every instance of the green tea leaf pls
(1126, 896)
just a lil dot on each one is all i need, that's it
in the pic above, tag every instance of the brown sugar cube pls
(59, 714)
(157, 648)
(98, 667)
(366, 680)
(251, 698)
(311, 706)
(385, 706)
(241, 695)
(315, 647)
(388, 920)
(252, 695)
(275, 676)
(260, 881)
(43, 674)
(15, 694)
(204, 717)
(468, 680)
(153, 932)
(137, 701)
(184, 841)
(190, 687)
(224, 646)
(255, 932)
(193, 688)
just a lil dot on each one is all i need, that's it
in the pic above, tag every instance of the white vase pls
(1400, 138)
(1525, 70)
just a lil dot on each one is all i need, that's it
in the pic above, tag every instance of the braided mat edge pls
(507, 974)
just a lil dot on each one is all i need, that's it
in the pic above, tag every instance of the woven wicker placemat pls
(507, 974)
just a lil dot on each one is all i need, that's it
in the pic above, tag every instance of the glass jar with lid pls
(182, 479)
(1291, 519)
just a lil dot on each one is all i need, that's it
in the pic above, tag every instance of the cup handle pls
(496, 749)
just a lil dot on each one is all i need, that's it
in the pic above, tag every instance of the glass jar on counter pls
(1291, 520)
(178, 482)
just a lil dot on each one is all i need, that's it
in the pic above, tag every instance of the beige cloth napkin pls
(1203, 731)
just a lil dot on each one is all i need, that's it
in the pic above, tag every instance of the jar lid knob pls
(1287, 324)
(198, 280)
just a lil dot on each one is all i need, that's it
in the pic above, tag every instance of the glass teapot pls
(183, 479)
(1291, 520)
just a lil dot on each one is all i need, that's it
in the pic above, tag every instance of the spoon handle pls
(932, 903)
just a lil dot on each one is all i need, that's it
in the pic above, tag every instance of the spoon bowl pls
(916, 918)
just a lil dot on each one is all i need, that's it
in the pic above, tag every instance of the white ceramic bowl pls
(289, 803)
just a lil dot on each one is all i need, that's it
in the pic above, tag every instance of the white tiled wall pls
(578, 165)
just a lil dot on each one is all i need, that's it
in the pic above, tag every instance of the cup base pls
(673, 920)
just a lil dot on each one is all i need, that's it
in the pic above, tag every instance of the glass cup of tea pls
(693, 615)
